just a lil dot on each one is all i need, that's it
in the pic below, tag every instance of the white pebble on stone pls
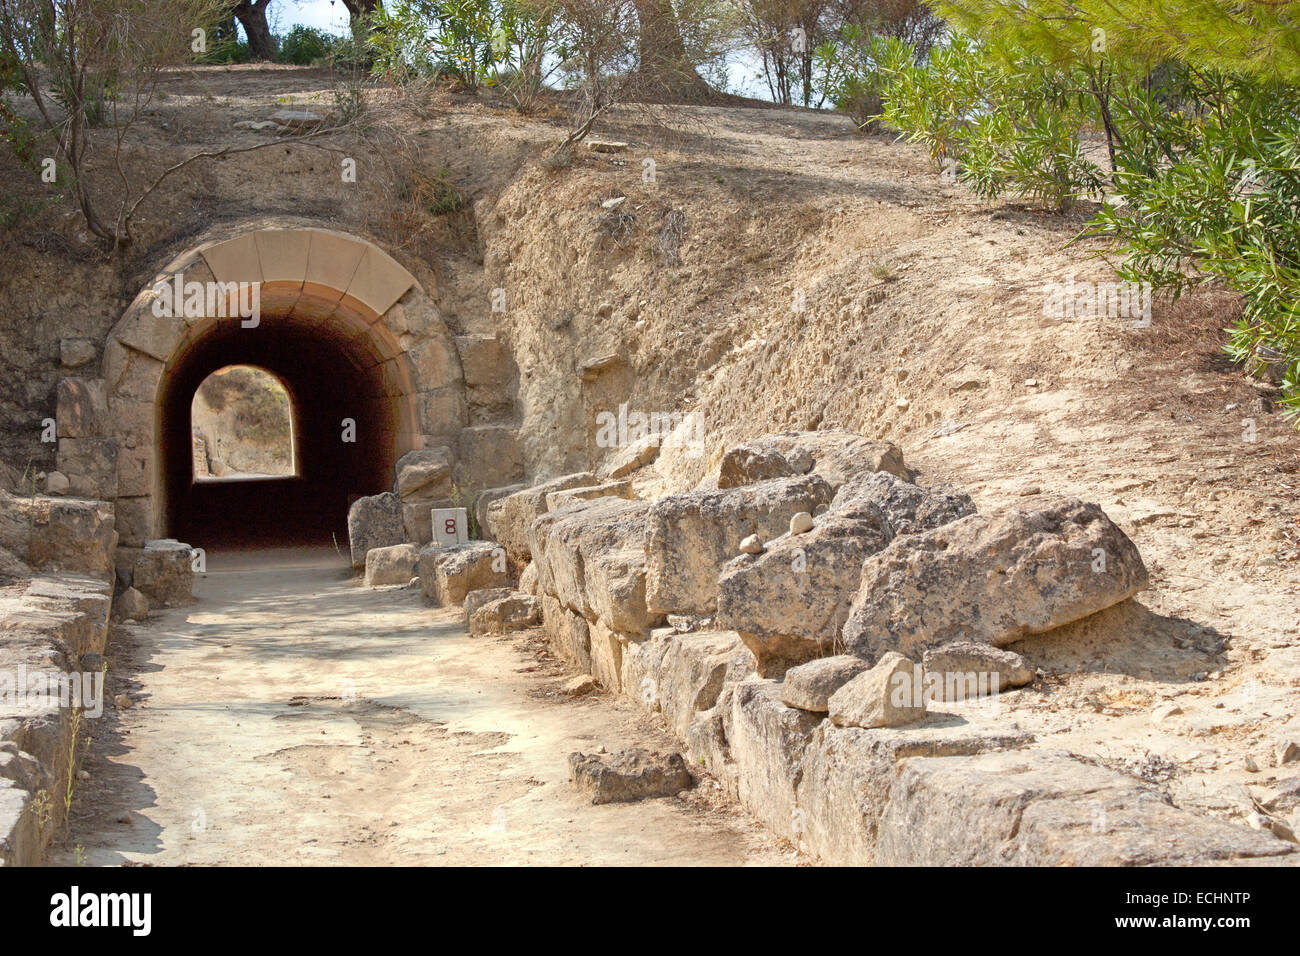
(801, 522)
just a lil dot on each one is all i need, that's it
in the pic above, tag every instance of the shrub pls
(451, 38)
(1202, 135)
(1212, 194)
(1012, 127)
(849, 76)
(303, 46)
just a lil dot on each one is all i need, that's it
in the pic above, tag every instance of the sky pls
(332, 16)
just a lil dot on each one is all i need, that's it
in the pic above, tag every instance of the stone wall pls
(55, 624)
(714, 637)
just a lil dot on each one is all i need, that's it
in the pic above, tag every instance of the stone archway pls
(332, 297)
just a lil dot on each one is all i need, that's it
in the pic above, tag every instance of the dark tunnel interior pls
(325, 386)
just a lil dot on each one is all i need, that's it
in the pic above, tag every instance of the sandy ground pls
(290, 716)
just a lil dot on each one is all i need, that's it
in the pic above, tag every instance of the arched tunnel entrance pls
(346, 440)
(371, 370)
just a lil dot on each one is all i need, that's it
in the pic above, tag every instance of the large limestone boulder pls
(810, 686)
(476, 599)
(567, 633)
(790, 602)
(484, 500)
(683, 675)
(962, 670)
(513, 612)
(890, 694)
(768, 742)
(388, 567)
(164, 572)
(910, 508)
(58, 534)
(848, 773)
(690, 537)
(509, 518)
(992, 579)
(635, 774)
(1047, 808)
(837, 456)
(448, 574)
(374, 522)
(608, 648)
(791, 599)
(591, 557)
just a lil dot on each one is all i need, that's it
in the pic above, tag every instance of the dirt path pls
(245, 745)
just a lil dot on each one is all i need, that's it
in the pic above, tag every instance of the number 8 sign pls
(450, 526)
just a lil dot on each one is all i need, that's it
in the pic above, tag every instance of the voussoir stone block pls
(234, 260)
(332, 260)
(282, 254)
(378, 281)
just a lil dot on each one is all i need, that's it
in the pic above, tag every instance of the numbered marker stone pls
(450, 526)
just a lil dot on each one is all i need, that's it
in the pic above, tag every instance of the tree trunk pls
(252, 17)
(359, 8)
(665, 69)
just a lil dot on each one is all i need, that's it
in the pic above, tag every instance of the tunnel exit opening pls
(325, 401)
(242, 427)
